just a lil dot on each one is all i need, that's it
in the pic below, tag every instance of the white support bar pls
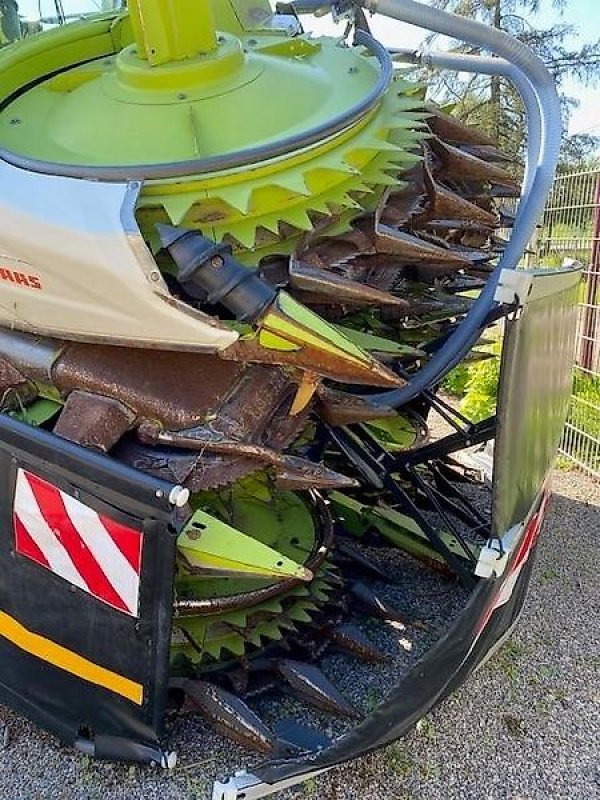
(245, 786)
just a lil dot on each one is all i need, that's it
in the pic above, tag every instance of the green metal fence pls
(570, 229)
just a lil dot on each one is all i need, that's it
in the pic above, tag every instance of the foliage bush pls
(477, 384)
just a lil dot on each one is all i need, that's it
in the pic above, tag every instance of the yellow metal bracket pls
(172, 30)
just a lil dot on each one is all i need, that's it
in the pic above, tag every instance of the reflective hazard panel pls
(87, 549)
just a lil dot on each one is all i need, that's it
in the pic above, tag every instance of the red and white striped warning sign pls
(89, 550)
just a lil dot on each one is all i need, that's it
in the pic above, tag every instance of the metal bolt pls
(217, 262)
(155, 276)
(182, 96)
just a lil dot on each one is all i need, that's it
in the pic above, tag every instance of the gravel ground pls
(526, 727)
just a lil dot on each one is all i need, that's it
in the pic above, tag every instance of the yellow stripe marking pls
(61, 657)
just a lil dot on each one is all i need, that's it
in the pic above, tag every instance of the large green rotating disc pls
(254, 89)
(280, 519)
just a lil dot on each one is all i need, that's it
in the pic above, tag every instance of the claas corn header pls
(237, 261)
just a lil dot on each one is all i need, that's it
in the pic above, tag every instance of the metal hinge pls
(514, 286)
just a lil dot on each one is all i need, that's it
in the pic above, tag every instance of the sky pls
(585, 14)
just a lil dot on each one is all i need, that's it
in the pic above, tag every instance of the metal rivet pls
(182, 96)
(217, 262)
(15, 121)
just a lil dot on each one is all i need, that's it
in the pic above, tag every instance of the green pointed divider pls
(208, 543)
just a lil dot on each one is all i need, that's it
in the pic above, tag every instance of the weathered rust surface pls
(291, 472)
(179, 389)
(341, 408)
(352, 640)
(227, 714)
(255, 413)
(313, 286)
(93, 420)
(440, 222)
(311, 685)
(459, 165)
(450, 129)
(15, 388)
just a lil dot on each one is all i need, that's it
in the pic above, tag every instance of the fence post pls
(590, 316)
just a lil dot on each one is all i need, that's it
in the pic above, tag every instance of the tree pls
(492, 103)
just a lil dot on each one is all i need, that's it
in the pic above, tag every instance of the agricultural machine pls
(237, 261)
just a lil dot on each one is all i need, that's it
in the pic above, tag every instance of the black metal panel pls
(533, 398)
(53, 635)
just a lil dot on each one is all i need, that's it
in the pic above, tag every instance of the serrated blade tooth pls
(237, 196)
(299, 473)
(293, 182)
(177, 206)
(319, 204)
(353, 641)
(381, 178)
(375, 605)
(385, 146)
(300, 613)
(228, 715)
(312, 685)
(363, 187)
(271, 223)
(245, 234)
(298, 218)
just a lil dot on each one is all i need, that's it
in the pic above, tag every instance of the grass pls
(508, 658)
(399, 760)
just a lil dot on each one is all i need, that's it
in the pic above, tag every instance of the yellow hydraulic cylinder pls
(172, 30)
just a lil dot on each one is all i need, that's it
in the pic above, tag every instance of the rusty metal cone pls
(375, 605)
(299, 474)
(227, 714)
(358, 559)
(311, 685)
(342, 408)
(350, 639)
(317, 285)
